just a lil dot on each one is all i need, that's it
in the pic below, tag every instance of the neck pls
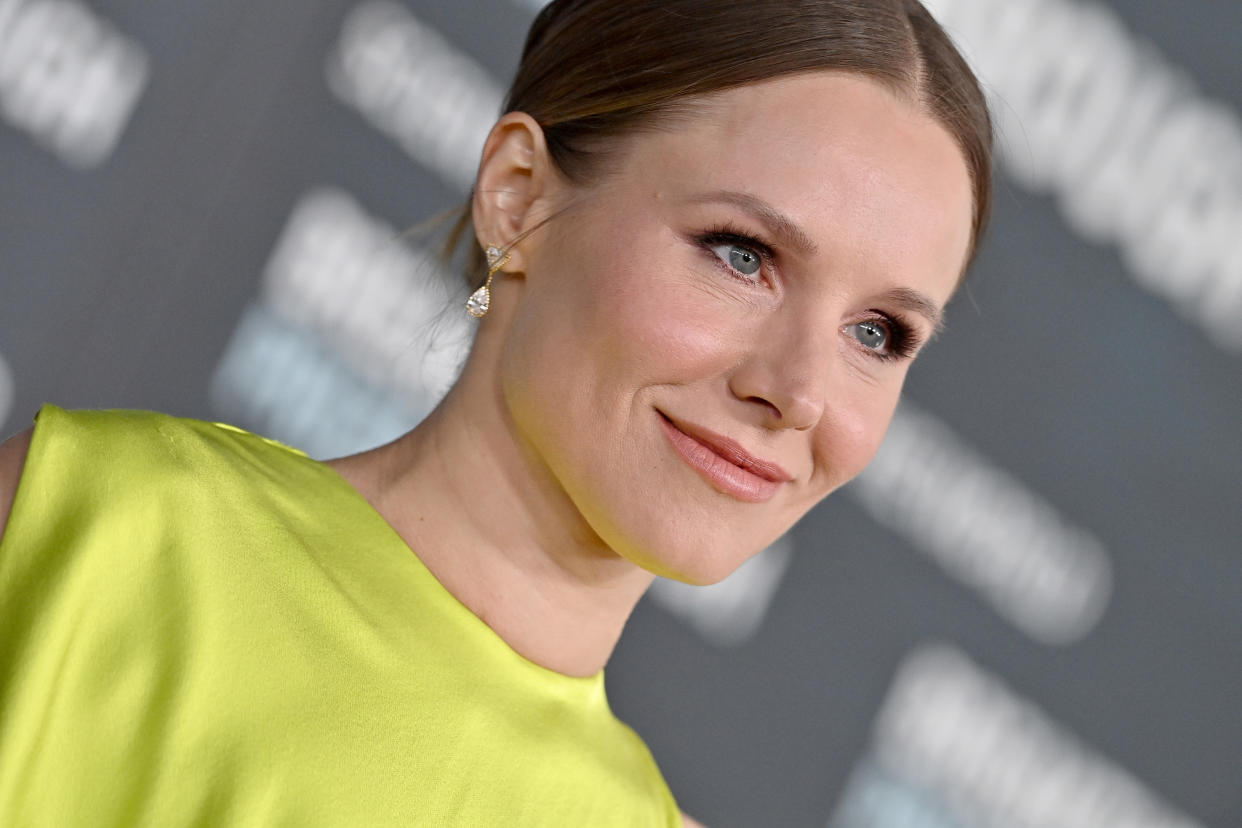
(500, 534)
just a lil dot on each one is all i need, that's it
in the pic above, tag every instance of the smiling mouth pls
(725, 465)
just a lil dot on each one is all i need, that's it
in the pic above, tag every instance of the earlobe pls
(512, 177)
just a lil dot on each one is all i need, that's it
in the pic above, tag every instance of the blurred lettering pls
(68, 78)
(1137, 156)
(383, 304)
(435, 101)
(283, 382)
(1048, 577)
(954, 745)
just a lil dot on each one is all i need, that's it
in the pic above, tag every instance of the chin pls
(693, 535)
(705, 561)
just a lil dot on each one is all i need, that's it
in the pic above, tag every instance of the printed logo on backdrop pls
(435, 101)
(353, 339)
(954, 747)
(1136, 156)
(1049, 578)
(68, 78)
(348, 308)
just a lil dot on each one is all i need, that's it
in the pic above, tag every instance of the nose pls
(786, 377)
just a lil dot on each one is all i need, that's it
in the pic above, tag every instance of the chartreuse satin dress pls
(202, 627)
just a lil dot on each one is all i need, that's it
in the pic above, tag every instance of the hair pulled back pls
(595, 71)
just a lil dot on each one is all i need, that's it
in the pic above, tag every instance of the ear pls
(514, 174)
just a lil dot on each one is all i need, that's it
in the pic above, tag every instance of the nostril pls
(771, 407)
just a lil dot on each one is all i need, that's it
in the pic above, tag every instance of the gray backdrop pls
(1025, 613)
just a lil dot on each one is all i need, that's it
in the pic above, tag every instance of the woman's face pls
(715, 338)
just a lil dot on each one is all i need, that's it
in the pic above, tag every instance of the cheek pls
(669, 323)
(851, 433)
(586, 342)
(640, 295)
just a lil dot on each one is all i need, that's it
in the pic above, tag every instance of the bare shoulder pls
(688, 822)
(12, 460)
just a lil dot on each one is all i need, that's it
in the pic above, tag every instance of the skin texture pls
(545, 492)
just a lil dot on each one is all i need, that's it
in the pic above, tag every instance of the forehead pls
(876, 182)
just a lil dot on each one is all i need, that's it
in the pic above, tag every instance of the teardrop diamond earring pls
(479, 302)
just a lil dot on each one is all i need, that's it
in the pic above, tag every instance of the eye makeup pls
(901, 339)
(727, 234)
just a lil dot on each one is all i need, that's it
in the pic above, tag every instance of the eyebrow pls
(785, 229)
(916, 302)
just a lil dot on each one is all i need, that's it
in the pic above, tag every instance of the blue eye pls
(871, 334)
(742, 259)
(743, 254)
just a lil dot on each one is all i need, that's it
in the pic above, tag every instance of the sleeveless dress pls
(199, 626)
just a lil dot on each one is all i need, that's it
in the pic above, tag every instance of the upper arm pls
(687, 822)
(12, 460)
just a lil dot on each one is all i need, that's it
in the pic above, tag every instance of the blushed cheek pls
(671, 324)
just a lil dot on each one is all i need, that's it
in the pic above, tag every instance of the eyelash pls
(729, 234)
(902, 339)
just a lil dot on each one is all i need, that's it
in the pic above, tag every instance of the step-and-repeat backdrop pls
(1027, 612)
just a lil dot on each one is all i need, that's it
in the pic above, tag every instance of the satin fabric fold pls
(199, 626)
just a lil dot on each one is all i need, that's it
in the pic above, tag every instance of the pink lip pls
(728, 467)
